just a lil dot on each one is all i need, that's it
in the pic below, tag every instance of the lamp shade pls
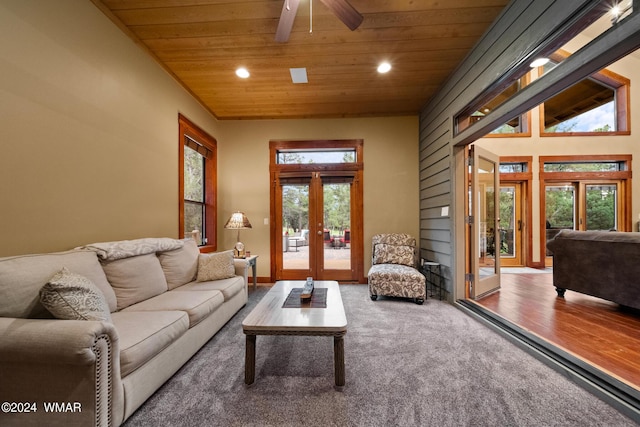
(238, 221)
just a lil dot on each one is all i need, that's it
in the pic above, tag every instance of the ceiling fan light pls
(384, 67)
(243, 73)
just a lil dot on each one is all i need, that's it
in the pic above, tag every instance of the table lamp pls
(238, 221)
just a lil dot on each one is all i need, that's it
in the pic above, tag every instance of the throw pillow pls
(71, 296)
(180, 265)
(215, 266)
(135, 279)
(393, 254)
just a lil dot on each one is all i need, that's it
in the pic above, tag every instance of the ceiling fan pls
(341, 8)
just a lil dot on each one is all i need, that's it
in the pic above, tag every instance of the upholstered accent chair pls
(393, 268)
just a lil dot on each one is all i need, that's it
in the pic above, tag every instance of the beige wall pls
(88, 127)
(89, 131)
(390, 174)
(537, 146)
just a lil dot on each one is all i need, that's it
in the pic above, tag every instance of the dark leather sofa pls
(604, 264)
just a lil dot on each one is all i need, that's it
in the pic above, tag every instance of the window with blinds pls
(197, 184)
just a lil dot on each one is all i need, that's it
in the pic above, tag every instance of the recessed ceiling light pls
(298, 75)
(539, 62)
(243, 73)
(384, 67)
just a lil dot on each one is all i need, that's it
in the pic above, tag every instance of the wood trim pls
(187, 128)
(620, 84)
(524, 178)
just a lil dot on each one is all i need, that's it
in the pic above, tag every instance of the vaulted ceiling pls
(203, 42)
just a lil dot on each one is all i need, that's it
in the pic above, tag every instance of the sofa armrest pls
(242, 269)
(44, 340)
(72, 362)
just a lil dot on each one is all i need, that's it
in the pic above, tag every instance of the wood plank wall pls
(518, 34)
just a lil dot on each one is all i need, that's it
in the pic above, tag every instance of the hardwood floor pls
(597, 331)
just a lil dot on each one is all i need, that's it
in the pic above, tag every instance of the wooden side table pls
(249, 261)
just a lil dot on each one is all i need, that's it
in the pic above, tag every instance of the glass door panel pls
(337, 225)
(295, 227)
(601, 206)
(511, 224)
(560, 203)
(560, 211)
(485, 238)
(507, 221)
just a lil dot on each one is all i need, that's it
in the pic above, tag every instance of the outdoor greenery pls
(600, 211)
(295, 201)
(337, 209)
(295, 208)
(193, 191)
(601, 204)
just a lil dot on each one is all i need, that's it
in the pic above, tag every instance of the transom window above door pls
(298, 156)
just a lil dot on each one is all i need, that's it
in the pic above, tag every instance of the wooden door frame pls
(355, 169)
(524, 178)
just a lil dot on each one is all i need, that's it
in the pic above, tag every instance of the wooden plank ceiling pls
(203, 42)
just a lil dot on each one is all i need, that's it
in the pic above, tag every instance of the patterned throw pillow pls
(393, 254)
(70, 296)
(215, 266)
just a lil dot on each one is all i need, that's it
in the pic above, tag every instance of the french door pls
(483, 236)
(314, 213)
(316, 219)
(511, 224)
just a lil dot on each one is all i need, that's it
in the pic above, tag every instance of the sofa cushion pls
(396, 280)
(393, 254)
(197, 304)
(180, 265)
(144, 334)
(22, 277)
(71, 296)
(135, 279)
(228, 287)
(215, 266)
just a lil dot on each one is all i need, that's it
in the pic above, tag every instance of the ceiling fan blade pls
(345, 12)
(289, 9)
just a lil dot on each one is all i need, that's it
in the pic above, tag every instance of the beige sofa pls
(98, 372)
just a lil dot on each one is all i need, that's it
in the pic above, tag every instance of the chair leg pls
(419, 301)
(374, 297)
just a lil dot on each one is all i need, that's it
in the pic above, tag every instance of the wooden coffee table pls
(269, 318)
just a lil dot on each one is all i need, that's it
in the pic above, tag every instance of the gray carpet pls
(428, 365)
